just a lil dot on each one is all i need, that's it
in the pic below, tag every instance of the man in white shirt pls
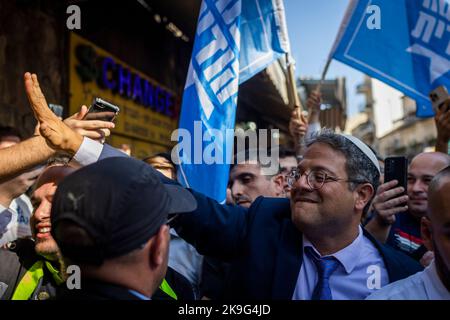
(434, 282)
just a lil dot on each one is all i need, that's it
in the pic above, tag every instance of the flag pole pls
(324, 73)
(348, 13)
(292, 87)
(294, 100)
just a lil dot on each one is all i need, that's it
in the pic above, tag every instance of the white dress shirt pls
(424, 285)
(89, 152)
(361, 271)
(19, 226)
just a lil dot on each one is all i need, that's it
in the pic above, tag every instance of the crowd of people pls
(324, 226)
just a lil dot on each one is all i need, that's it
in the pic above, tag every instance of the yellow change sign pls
(148, 111)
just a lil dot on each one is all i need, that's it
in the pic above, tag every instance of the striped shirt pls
(405, 234)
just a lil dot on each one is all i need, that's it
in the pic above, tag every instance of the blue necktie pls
(325, 267)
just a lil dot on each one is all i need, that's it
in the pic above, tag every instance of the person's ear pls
(278, 182)
(159, 246)
(426, 233)
(363, 194)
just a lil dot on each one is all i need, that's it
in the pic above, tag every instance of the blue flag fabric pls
(234, 40)
(410, 51)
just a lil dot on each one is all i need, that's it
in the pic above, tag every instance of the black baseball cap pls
(119, 202)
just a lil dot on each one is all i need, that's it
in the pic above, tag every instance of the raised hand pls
(313, 104)
(57, 134)
(298, 125)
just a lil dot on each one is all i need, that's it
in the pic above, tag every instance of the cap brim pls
(181, 200)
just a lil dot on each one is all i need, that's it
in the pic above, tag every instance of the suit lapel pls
(288, 262)
(389, 263)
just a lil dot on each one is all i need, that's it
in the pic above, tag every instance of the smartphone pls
(57, 109)
(396, 168)
(102, 110)
(438, 97)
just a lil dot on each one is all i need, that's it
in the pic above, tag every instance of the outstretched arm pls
(214, 229)
(56, 135)
(23, 156)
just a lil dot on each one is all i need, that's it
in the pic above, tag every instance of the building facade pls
(134, 54)
(388, 122)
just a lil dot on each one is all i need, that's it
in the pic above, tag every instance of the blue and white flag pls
(235, 39)
(409, 49)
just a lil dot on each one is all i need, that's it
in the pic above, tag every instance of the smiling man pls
(31, 269)
(311, 247)
(405, 231)
(434, 282)
(397, 218)
(42, 198)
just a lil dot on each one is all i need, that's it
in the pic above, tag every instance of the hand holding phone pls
(391, 197)
(88, 125)
(102, 110)
(396, 168)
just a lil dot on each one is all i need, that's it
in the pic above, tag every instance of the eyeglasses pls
(315, 179)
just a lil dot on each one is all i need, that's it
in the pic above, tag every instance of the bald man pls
(434, 282)
(397, 218)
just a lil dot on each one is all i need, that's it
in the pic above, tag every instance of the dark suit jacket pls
(263, 246)
(261, 243)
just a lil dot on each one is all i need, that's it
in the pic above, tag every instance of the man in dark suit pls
(284, 249)
(309, 247)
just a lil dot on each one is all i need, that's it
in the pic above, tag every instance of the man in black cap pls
(119, 241)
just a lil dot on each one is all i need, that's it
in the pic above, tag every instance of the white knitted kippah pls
(365, 149)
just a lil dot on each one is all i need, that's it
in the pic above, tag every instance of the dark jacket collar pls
(288, 261)
(96, 290)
